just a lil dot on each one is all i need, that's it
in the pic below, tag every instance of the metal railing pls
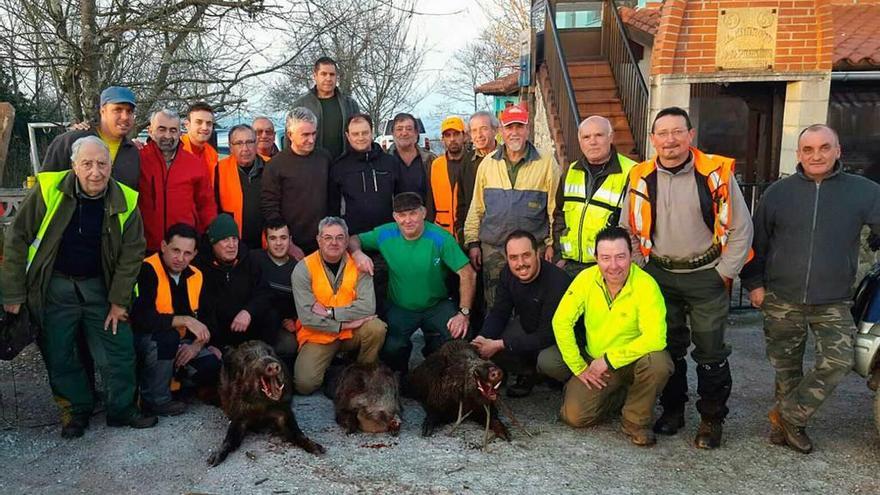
(630, 83)
(563, 98)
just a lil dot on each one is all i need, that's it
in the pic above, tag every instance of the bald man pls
(589, 196)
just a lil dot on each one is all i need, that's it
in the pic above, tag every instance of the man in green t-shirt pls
(419, 255)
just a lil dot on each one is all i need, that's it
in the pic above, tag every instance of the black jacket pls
(367, 182)
(126, 166)
(807, 236)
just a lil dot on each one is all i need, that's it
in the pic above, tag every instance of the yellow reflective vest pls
(622, 330)
(586, 217)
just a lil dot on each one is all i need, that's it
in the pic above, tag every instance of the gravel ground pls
(557, 459)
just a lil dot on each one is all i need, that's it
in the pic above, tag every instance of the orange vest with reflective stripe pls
(164, 305)
(208, 155)
(324, 294)
(716, 170)
(229, 188)
(445, 195)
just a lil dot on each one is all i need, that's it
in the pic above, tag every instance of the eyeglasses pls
(329, 238)
(675, 133)
(249, 142)
(265, 131)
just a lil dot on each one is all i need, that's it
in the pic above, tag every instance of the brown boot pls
(777, 437)
(796, 437)
(708, 434)
(638, 435)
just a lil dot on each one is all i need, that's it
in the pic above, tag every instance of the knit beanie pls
(222, 227)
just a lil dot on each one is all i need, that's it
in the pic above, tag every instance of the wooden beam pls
(7, 118)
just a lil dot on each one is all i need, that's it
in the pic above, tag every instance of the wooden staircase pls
(596, 94)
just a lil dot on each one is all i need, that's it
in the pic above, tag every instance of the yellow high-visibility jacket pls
(622, 330)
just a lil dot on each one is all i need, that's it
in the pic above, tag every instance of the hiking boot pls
(75, 428)
(796, 437)
(522, 386)
(708, 434)
(777, 437)
(638, 435)
(669, 422)
(137, 420)
(170, 408)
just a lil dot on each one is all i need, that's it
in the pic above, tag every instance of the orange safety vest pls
(716, 170)
(324, 294)
(207, 154)
(164, 304)
(445, 195)
(229, 188)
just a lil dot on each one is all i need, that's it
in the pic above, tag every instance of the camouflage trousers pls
(799, 395)
(494, 262)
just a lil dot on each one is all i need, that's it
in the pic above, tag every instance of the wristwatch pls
(465, 311)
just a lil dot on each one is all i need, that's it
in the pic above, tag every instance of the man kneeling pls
(625, 319)
(336, 307)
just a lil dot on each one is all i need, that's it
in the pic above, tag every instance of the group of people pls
(148, 261)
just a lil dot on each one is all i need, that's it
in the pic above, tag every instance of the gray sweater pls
(807, 236)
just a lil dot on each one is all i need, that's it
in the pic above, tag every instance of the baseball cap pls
(514, 114)
(117, 94)
(453, 122)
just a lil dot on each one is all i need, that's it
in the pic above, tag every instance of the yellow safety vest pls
(52, 197)
(584, 218)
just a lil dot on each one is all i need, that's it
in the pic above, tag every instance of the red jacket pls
(180, 193)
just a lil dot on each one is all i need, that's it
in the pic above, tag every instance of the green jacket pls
(622, 330)
(122, 249)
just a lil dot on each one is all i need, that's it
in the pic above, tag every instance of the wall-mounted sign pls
(746, 38)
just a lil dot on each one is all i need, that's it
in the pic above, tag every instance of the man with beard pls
(174, 186)
(419, 256)
(443, 176)
(238, 185)
(199, 129)
(530, 287)
(265, 131)
(514, 189)
(116, 120)
(413, 161)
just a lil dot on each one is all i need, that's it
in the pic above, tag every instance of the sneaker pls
(75, 428)
(638, 435)
(522, 387)
(170, 408)
(137, 420)
(669, 422)
(796, 437)
(708, 434)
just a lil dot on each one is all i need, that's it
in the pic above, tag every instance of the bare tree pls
(379, 60)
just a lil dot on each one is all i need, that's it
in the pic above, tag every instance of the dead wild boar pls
(367, 398)
(455, 382)
(255, 393)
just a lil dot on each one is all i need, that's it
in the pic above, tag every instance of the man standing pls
(174, 186)
(116, 120)
(624, 315)
(232, 288)
(532, 288)
(807, 234)
(72, 255)
(332, 107)
(296, 181)
(443, 177)
(515, 188)
(588, 198)
(238, 185)
(413, 160)
(483, 127)
(419, 255)
(265, 131)
(688, 217)
(336, 307)
(170, 332)
(199, 129)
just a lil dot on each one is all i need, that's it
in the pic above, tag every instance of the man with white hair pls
(295, 183)
(174, 185)
(264, 128)
(72, 255)
(589, 196)
(514, 189)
